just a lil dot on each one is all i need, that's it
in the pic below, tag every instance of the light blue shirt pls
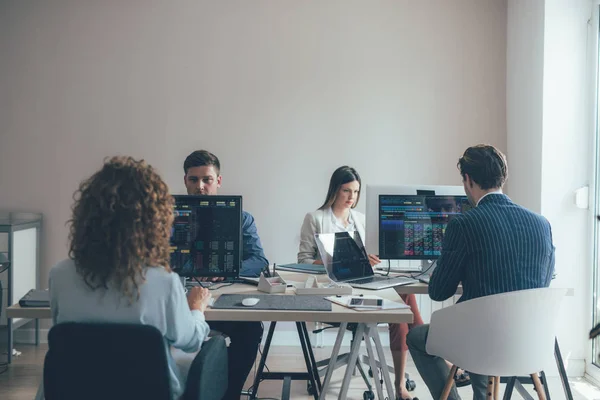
(162, 304)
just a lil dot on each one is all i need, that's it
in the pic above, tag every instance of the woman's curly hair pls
(121, 223)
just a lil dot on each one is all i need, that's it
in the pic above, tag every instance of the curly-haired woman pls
(118, 266)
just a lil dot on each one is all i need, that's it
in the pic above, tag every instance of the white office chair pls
(509, 334)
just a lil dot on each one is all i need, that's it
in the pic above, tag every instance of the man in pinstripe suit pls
(496, 247)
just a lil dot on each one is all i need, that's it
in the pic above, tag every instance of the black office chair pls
(124, 361)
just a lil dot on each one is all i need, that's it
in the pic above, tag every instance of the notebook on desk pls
(304, 268)
(36, 298)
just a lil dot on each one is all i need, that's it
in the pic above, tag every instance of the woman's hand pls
(198, 298)
(374, 260)
(317, 262)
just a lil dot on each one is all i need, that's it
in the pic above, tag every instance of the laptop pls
(346, 261)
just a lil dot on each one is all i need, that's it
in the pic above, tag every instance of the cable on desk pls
(213, 285)
(220, 286)
(412, 276)
(388, 269)
(424, 272)
(205, 285)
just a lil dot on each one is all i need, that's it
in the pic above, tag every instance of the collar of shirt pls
(487, 194)
(339, 225)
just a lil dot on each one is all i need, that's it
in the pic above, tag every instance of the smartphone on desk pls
(362, 302)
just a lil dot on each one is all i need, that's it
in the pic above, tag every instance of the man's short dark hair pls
(200, 158)
(485, 165)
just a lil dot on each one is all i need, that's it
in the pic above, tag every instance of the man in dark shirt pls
(496, 247)
(203, 177)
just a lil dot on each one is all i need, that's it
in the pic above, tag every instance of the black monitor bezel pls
(234, 274)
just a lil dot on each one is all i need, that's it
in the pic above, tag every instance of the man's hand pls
(374, 260)
(198, 298)
(317, 262)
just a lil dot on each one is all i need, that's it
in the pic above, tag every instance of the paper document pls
(385, 304)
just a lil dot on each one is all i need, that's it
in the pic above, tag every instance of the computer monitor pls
(372, 208)
(206, 236)
(412, 227)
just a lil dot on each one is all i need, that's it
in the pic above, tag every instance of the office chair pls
(124, 361)
(343, 360)
(473, 334)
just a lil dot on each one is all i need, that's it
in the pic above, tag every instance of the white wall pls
(566, 163)
(282, 91)
(524, 105)
(549, 144)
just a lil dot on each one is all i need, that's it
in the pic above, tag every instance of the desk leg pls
(333, 360)
(318, 342)
(311, 354)
(9, 353)
(263, 360)
(307, 360)
(360, 329)
(562, 371)
(286, 389)
(37, 332)
(381, 357)
(373, 364)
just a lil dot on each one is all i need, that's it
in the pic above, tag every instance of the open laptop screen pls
(343, 255)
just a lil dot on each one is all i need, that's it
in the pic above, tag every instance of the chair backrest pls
(106, 361)
(507, 334)
(207, 376)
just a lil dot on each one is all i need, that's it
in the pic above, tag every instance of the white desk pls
(366, 320)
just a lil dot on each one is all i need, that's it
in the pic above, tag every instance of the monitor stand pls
(426, 266)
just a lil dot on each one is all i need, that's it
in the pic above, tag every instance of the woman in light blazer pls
(337, 214)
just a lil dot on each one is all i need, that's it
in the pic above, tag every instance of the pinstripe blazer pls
(496, 247)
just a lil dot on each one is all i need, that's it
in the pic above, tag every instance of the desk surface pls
(337, 314)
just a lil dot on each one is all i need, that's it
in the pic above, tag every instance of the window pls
(593, 366)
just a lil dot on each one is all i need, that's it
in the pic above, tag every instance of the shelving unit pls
(20, 241)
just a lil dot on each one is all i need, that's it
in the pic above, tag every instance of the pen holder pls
(275, 284)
